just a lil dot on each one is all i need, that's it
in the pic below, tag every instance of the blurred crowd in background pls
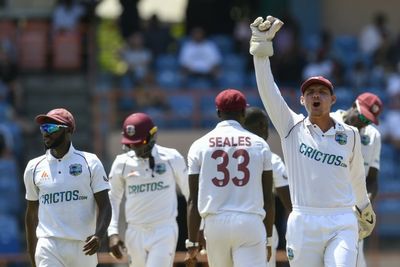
(172, 71)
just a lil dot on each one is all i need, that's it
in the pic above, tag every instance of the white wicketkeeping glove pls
(262, 33)
(366, 221)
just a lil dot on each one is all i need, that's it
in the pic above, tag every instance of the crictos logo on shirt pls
(149, 187)
(59, 197)
(317, 155)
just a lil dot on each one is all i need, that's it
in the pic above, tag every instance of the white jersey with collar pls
(65, 190)
(325, 169)
(229, 161)
(279, 171)
(370, 143)
(151, 196)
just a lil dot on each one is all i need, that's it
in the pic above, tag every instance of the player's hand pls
(366, 220)
(92, 244)
(116, 246)
(269, 253)
(262, 33)
(191, 257)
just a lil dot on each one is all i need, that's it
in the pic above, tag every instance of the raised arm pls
(261, 48)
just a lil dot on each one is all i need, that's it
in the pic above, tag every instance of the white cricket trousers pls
(361, 257)
(274, 247)
(318, 237)
(235, 240)
(59, 252)
(152, 245)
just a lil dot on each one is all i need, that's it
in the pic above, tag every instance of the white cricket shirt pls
(370, 143)
(65, 190)
(279, 171)
(229, 161)
(325, 169)
(151, 196)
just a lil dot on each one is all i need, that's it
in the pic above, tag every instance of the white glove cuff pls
(261, 48)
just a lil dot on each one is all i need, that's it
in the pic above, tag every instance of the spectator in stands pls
(138, 60)
(67, 15)
(290, 58)
(129, 20)
(372, 35)
(9, 76)
(199, 57)
(157, 36)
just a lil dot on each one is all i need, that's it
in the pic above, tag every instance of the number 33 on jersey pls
(230, 161)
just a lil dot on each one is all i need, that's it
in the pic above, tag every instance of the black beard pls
(57, 142)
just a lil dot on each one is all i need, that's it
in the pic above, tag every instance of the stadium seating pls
(9, 234)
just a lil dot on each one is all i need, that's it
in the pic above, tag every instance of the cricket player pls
(362, 114)
(256, 121)
(230, 182)
(68, 209)
(324, 163)
(147, 174)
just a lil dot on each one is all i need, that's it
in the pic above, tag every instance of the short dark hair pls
(254, 114)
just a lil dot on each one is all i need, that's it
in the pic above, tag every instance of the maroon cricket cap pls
(137, 128)
(369, 105)
(60, 115)
(316, 80)
(231, 100)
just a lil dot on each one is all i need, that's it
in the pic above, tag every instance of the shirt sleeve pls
(180, 172)
(99, 176)
(117, 184)
(32, 191)
(193, 160)
(375, 161)
(279, 172)
(267, 158)
(357, 174)
(279, 112)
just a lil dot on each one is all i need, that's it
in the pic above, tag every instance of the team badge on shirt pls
(365, 140)
(290, 253)
(341, 138)
(160, 168)
(75, 169)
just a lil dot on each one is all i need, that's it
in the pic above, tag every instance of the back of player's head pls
(138, 129)
(255, 114)
(256, 121)
(230, 100)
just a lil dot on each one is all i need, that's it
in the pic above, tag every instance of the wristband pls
(269, 241)
(190, 244)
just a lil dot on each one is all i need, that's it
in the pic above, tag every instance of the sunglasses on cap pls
(363, 119)
(50, 128)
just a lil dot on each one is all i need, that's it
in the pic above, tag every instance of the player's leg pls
(304, 244)
(341, 250)
(275, 242)
(361, 257)
(217, 233)
(74, 256)
(162, 249)
(248, 248)
(134, 242)
(47, 254)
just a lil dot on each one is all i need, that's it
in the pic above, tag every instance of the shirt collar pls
(232, 123)
(50, 157)
(337, 127)
(154, 152)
